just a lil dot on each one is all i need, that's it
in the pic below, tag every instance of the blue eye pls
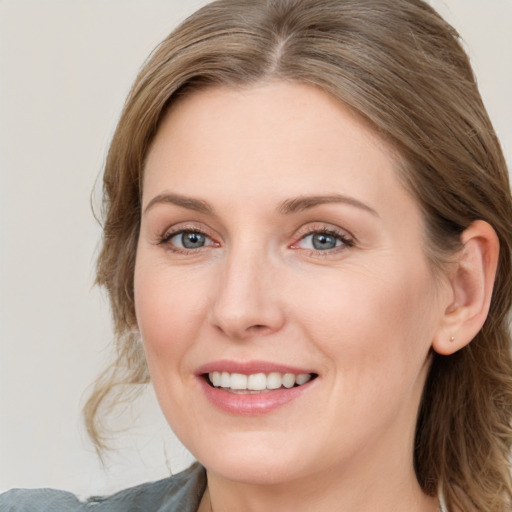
(189, 240)
(323, 241)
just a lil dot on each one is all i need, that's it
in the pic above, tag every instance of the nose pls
(247, 302)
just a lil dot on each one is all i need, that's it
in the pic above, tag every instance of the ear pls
(471, 283)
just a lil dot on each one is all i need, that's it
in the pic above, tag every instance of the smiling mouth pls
(257, 382)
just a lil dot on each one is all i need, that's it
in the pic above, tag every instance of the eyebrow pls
(190, 203)
(302, 203)
(289, 206)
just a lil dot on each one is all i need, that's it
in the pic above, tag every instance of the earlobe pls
(471, 285)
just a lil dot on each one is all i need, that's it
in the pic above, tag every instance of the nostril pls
(258, 328)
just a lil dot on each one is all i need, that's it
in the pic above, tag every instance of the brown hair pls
(400, 67)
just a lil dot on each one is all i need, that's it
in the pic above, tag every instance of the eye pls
(323, 240)
(188, 240)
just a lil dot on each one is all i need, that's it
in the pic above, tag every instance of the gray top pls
(179, 493)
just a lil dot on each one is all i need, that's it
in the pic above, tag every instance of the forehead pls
(260, 109)
(279, 137)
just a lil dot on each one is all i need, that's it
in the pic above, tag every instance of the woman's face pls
(277, 239)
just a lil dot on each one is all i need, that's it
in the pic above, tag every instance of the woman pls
(307, 247)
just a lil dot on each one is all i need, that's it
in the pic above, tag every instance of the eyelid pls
(347, 239)
(182, 232)
(170, 232)
(179, 227)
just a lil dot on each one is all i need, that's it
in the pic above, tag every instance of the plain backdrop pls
(65, 68)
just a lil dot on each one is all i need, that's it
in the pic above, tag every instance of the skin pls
(362, 315)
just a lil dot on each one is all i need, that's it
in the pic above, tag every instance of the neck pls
(319, 493)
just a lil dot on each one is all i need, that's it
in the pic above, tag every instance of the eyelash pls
(343, 237)
(166, 238)
(346, 241)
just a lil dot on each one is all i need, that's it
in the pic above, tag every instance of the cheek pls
(168, 313)
(373, 319)
(167, 309)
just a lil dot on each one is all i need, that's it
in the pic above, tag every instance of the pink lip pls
(249, 367)
(250, 404)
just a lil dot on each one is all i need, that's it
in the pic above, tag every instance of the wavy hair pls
(399, 66)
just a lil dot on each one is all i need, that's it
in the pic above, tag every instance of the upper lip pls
(249, 367)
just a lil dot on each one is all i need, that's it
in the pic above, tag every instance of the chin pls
(255, 472)
(253, 461)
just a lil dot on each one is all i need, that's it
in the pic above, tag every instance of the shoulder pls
(38, 500)
(181, 492)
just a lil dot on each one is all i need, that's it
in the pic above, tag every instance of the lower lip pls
(251, 404)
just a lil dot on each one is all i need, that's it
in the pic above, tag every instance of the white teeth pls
(257, 381)
(288, 380)
(216, 378)
(274, 380)
(238, 381)
(225, 380)
(302, 378)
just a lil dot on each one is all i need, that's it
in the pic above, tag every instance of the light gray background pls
(65, 68)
